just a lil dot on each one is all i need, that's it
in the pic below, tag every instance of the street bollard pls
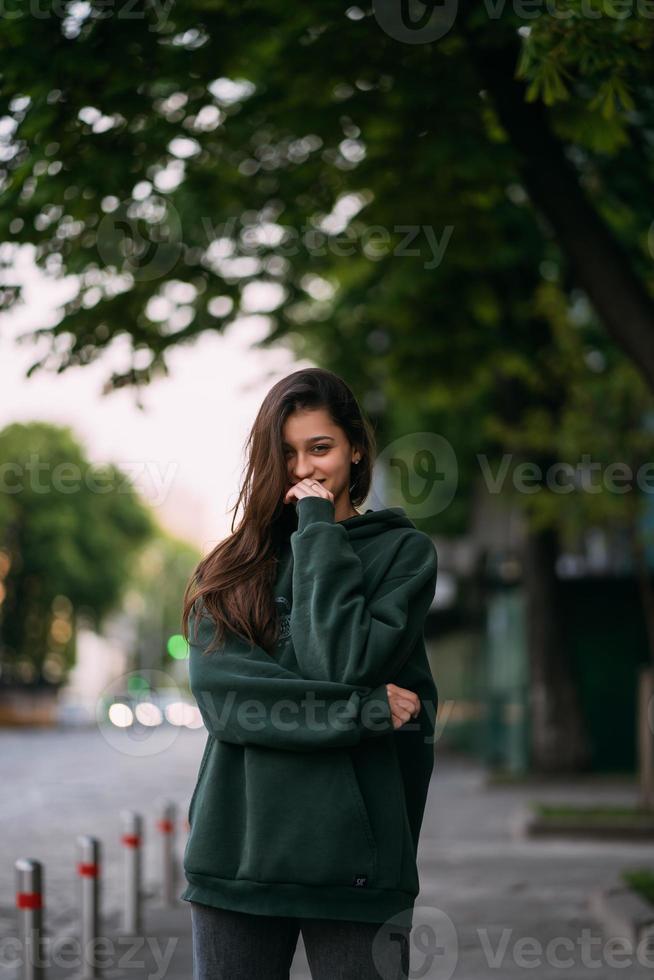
(166, 827)
(88, 870)
(29, 908)
(132, 840)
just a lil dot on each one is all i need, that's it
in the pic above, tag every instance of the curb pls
(623, 913)
(526, 823)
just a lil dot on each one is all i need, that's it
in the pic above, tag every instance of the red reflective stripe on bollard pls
(131, 840)
(165, 826)
(88, 870)
(29, 900)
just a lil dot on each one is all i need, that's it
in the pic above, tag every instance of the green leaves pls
(70, 532)
(447, 282)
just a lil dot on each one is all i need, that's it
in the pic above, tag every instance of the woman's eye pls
(289, 452)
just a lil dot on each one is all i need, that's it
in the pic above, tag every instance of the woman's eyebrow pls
(312, 439)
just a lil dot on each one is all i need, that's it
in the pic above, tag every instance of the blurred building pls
(100, 661)
(477, 639)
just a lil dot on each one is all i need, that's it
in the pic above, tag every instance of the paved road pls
(489, 905)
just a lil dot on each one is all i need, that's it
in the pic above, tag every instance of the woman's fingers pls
(404, 704)
(307, 488)
(400, 705)
(402, 696)
(400, 718)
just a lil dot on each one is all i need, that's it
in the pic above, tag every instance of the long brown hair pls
(234, 581)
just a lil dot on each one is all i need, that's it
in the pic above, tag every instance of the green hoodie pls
(308, 802)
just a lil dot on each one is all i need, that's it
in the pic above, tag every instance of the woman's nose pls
(302, 468)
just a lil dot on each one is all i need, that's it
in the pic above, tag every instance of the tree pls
(69, 532)
(153, 192)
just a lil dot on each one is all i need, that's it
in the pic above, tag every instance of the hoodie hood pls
(373, 522)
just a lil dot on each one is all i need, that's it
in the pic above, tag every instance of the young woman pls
(307, 661)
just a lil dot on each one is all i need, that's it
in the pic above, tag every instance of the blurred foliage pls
(69, 534)
(177, 159)
(642, 881)
(596, 435)
(166, 179)
(154, 601)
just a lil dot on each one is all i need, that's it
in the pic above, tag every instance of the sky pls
(184, 452)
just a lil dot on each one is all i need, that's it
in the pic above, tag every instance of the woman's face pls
(315, 448)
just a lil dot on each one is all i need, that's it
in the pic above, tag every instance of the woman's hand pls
(307, 488)
(404, 704)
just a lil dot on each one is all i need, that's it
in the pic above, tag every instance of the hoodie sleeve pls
(338, 633)
(246, 697)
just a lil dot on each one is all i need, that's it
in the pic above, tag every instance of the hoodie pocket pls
(306, 819)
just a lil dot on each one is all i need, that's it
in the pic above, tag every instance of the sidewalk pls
(507, 906)
(490, 902)
(162, 951)
(492, 905)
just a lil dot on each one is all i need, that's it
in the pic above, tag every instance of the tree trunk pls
(559, 742)
(599, 264)
(644, 583)
(646, 673)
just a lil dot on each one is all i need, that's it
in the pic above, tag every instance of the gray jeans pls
(230, 945)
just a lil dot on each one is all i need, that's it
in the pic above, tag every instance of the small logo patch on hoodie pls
(360, 881)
